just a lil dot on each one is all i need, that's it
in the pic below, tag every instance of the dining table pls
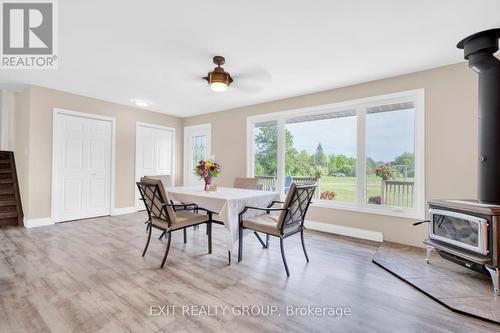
(227, 203)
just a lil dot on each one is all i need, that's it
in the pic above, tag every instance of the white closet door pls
(82, 148)
(164, 148)
(154, 154)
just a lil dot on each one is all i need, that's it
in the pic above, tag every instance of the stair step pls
(5, 155)
(8, 209)
(8, 203)
(9, 221)
(7, 191)
(10, 206)
(6, 215)
(7, 197)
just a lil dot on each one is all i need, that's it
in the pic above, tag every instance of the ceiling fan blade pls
(248, 87)
(253, 73)
(252, 79)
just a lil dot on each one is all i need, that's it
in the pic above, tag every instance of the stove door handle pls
(420, 222)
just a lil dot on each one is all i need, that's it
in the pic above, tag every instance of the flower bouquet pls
(376, 199)
(206, 170)
(384, 171)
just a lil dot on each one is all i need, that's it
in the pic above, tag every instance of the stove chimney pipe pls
(479, 49)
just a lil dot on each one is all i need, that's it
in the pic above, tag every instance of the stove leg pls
(495, 278)
(429, 251)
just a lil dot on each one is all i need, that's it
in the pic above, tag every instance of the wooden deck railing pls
(269, 183)
(397, 193)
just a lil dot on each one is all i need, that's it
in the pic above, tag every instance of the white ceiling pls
(158, 51)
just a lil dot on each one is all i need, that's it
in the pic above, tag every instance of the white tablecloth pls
(227, 202)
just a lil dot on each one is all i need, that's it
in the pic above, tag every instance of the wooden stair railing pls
(11, 211)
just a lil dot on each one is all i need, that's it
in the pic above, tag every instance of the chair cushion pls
(288, 201)
(166, 180)
(184, 219)
(246, 183)
(266, 223)
(159, 223)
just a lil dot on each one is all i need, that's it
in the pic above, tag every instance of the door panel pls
(83, 167)
(164, 148)
(73, 154)
(97, 193)
(97, 155)
(148, 159)
(72, 194)
(154, 155)
(73, 126)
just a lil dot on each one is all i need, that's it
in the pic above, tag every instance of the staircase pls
(11, 211)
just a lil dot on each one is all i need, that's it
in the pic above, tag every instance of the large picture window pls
(364, 155)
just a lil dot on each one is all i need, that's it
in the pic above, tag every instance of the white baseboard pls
(123, 210)
(33, 223)
(345, 231)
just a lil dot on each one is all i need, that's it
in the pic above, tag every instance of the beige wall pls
(11, 102)
(451, 140)
(21, 125)
(33, 145)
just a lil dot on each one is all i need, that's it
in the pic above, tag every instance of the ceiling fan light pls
(218, 86)
(218, 79)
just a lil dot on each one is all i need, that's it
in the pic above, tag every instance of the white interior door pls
(154, 154)
(82, 161)
(197, 146)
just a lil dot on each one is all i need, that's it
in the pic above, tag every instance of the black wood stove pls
(468, 231)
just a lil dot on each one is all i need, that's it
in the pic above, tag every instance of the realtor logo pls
(28, 34)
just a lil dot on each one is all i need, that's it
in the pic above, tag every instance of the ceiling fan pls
(218, 79)
(253, 79)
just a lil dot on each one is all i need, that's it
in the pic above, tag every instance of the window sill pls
(413, 214)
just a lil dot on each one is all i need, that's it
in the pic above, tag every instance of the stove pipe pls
(479, 49)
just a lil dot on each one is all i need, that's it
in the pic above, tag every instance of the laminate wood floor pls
(89, 276)
(454, 286)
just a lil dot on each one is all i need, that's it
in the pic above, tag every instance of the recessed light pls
(141, 103)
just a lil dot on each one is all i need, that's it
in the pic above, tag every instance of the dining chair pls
(245, 183)
(288, 222)
(251, 184)
(242, 183)
(167, 181)
(162, 214)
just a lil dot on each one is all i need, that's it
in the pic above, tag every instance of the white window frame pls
(416, 96)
